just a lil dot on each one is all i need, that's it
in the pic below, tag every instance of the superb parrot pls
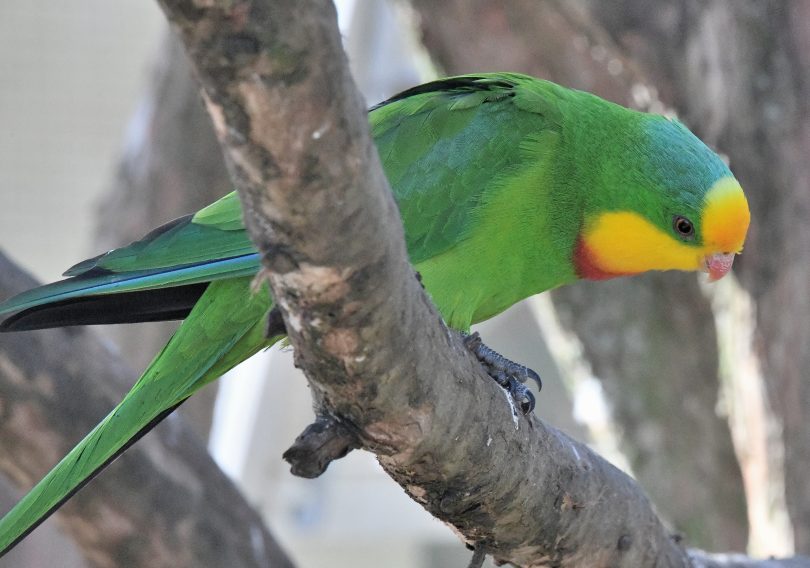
(507, 186)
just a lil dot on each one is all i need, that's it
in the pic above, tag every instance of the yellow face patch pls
(725, 217)
(623, 242)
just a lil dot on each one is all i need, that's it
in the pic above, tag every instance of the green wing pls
(425, 137)
(158, 277)
(470, 160)
(446, 144)
(214, 233)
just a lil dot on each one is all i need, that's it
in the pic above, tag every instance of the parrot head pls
(673, 204)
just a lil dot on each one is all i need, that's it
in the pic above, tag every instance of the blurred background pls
(699, 391)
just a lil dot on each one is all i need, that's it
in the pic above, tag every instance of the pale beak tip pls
(718, 265)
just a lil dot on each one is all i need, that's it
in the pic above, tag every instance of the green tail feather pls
(225, 327)
(118, 283)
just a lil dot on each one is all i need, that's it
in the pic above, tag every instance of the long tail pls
(98, 296)
(225, 327)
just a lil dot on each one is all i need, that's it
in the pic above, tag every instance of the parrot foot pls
(508, 374)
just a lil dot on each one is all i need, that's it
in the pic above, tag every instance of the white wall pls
(70, 76)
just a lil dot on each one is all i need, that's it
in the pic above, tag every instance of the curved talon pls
(531, 374)
(508, 374)
(528, 406)
(521, 394)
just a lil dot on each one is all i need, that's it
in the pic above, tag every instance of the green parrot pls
(507, 186)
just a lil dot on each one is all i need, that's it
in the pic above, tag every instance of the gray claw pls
(507, 373)
(521, 395)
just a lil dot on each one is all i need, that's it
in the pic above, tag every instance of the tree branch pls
(376, 353)
(163, 503)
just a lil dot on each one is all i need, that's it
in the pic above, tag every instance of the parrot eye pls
(683, 227)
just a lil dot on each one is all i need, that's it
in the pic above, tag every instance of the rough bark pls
(295, 137)
(650, 340)
(163, 504)
(170, 166)
(740, 72)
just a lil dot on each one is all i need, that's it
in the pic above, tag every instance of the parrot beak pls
(718, 265)
(725, 224)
